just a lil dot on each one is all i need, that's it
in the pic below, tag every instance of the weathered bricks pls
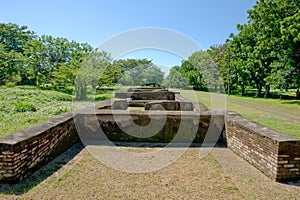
(273, 153)
(20, 155)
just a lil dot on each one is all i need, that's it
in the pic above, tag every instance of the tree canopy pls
(264, 54)
(266, 50)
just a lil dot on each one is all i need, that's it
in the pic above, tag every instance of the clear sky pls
(207, 22)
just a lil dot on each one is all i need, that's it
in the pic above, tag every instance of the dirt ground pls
(76, 174)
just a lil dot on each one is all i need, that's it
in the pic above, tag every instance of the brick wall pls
(275, 154)
(24, 151)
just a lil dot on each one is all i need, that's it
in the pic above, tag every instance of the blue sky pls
(207, 22)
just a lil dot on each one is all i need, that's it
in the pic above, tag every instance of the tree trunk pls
(35, 79)
(222, 89)
(83, 92)
(298, 93)
(243, 89)
(259, 88)
(267, 91)
(80, 91)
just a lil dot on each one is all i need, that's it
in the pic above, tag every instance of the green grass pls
(136, 108)
(24, 106)
(278, 114)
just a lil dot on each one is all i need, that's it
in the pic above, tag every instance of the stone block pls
(119, 104)
(186, 106)
(146, 95)
(169, 105)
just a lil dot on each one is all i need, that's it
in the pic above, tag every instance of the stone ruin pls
(116, 119)
(275, 154)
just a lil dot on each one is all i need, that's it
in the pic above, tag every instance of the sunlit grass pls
(136, 108)
(24, 106)
(280, 115)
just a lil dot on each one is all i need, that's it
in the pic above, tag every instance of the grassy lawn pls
(280, 115)
(24, 106)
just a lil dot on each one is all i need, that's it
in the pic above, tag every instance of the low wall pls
(275, 154)
(115, 125)
(169, 105)
(147, 95)
(26, 150)
(145, 89)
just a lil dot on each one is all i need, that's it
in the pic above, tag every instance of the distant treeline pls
(264, 54)
(29, 59)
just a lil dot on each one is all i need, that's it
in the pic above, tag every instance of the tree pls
(290, 41)
(13, 38)
(65, 73)
(10, 65)
(175, 79)
(245, 67)
(135, 71)
(221, 54)
(53, 60)
(193, 75)
(90, 71)
(153, 75)
(263, 48)
(209, 73)
(111, 75)
(38, 66)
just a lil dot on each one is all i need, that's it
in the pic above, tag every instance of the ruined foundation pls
(275, 154)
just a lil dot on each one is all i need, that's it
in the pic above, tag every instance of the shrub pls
(24, 107)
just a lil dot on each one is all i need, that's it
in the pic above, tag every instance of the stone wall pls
(120, 125)
(169, 105)
(26, 150)
(147, 95)
(275, 154)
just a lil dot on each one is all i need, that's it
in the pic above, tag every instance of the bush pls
(24, 107)
(10, 84)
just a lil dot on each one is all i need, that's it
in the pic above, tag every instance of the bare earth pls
(76, 174)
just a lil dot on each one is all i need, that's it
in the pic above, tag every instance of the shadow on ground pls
(296, 102)
(44, 172)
